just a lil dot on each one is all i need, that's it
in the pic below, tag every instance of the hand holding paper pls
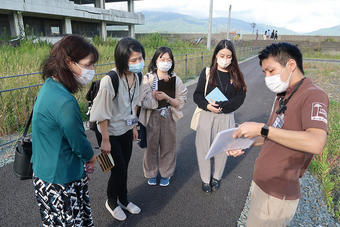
(234, 153)
(224, 141)
(248, 130)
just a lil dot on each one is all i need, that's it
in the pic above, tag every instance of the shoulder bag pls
(196, 116)
(23, 152)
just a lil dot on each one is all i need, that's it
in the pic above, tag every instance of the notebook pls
(168, 88)
(216, 95)
(105, 161)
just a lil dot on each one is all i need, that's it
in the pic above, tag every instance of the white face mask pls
(86, 75)
(275, 84)
(164, 66)
(223, 63)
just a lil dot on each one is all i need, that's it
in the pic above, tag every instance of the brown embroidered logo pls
(319, 112)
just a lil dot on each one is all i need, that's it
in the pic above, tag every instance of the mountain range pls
(169, 22)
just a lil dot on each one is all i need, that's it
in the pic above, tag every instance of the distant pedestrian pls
(224, 74)
(268, 34)
(265, 35)
(272, 34)
(257, 34)
(60, 146)
(161, 108)
(275, 36)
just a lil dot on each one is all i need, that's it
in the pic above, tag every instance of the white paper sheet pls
(224, 141)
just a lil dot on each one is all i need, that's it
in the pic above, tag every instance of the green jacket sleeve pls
(73, 129)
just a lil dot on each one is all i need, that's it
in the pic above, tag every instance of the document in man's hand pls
(224, 141)
(216, 95)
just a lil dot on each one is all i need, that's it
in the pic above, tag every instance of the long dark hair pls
(123, 51)
(72, 48)
(233, 68)
(160, 52)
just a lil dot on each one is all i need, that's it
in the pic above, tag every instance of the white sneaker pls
(117, 213)
(131, 207)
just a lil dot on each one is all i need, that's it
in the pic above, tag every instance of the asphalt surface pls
(182, 203)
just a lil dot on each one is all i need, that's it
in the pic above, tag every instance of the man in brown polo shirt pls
(295, 131)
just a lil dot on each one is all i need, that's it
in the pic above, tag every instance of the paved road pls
(182, 203)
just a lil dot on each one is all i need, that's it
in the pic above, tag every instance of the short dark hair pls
(71, 47)
(160, 52)
(123, 51)
(233, 68)
(282, 52)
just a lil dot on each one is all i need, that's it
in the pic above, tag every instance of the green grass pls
(318, 54)
(326, 166)
(27, 58)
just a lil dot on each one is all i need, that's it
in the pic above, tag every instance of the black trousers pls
(121, 149)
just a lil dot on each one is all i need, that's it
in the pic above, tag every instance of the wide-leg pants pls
(209, 125)
(160, 154)
(63, 204)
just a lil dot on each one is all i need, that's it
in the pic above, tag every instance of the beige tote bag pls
(196, 116)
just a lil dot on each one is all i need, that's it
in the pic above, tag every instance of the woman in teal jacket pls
(60, 146)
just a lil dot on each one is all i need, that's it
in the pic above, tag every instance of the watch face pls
(264, 131)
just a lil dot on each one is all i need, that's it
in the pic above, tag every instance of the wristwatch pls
(264, 131)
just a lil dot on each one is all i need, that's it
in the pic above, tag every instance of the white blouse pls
(116, 109)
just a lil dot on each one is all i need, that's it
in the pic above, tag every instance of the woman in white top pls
(164, 95)
(115, 114)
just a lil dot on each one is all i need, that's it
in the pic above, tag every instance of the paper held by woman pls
(224, 141)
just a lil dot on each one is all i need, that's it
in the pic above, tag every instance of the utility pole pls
(228, 28)
(210, 25)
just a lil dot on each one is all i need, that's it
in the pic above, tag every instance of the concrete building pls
(53, 18)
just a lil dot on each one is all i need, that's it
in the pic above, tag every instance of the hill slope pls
(332, 31)
(169, 22)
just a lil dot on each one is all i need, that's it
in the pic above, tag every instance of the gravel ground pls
(312, 209)
(6, 155)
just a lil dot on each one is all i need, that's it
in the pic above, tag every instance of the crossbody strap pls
(28, 123)
(207, 75)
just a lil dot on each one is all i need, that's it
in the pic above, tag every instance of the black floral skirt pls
(64, 204)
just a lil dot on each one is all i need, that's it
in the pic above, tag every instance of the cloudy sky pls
(296, 15)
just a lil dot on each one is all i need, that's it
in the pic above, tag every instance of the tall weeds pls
(28, 56)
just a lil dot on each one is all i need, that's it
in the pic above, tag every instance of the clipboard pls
(224, 141)
(168, 88)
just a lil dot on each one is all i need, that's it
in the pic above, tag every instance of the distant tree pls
(253, 25)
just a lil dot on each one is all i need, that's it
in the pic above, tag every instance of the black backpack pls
(94, 88)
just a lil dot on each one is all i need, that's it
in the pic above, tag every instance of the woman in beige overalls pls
(224, 74)
(164, 95)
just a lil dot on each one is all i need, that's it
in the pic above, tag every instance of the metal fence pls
(16, 102)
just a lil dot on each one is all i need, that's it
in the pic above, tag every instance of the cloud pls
(300, 16)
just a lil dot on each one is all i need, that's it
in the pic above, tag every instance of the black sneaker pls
(215, 184)
(206, 187)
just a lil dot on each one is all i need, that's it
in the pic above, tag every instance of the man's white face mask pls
(275, 84)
